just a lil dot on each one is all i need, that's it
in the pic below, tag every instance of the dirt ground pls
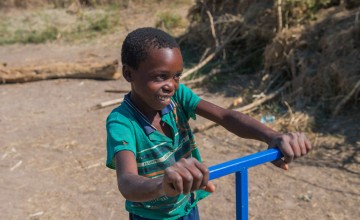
(52, 151)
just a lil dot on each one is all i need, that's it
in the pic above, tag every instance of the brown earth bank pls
(53, 152)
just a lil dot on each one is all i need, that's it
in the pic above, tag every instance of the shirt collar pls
(143, 120)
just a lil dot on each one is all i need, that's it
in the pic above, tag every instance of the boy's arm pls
(292, 145)
(132, 186)
(184, 177)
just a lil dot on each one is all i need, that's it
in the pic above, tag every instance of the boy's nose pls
(169, 86)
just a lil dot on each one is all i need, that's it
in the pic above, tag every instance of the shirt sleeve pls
(120, 136)
(188, 99)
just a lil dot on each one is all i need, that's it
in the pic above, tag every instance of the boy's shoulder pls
(121, 113)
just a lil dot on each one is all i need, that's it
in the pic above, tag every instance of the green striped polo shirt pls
(129, 129)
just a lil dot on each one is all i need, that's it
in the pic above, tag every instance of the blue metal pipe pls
(242, 195)
(243, 163)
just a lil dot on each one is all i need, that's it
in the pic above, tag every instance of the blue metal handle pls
(242, 163)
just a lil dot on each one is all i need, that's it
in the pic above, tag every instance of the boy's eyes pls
(162, 77)
(178, 75)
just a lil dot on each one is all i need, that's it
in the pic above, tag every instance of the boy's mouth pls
(164, 98)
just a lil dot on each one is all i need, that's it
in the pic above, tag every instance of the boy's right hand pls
(185, 176)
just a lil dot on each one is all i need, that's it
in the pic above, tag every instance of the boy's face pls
(156, 79)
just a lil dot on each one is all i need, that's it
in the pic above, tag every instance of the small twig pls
(36, 214)
(201, 64)
(117, 90)
(206, 52)
(289, 108)
(211, 56)
(212, 27)
(92, 166)
(271, 83)
(279, 12)
(109, 103)
(292, 118)
(16, 165)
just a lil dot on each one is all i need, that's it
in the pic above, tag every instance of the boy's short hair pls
(138, 42)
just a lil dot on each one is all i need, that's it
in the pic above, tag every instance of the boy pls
(150, 143)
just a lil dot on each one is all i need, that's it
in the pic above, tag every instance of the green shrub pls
(168, 21)
(99, 24)
(30, 36)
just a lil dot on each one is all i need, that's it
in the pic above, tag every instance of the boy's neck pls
(154, 117)
(147, 111)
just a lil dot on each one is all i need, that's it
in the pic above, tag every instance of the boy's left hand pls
(292, 145)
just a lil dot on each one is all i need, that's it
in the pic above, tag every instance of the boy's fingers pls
(292, 145)
(288, 152)
(198, 171)
(210, 187)
(302, 142)
(197, 179)
(188, 175)
(187, 179)
(174, 180)
(285, 166)
(204, 171)
(283, 145)
(308, 144)
(281, 164)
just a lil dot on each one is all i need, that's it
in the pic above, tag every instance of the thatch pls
(319, 57)
(323, 61)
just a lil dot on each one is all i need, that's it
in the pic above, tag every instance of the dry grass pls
(6, 4)
(321, 61)
(317, 51)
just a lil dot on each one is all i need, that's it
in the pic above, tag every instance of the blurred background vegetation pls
(309, 48)
(72, 20)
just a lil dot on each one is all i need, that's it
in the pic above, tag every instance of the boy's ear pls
(127, 72)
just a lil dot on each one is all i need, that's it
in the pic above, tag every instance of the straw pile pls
(322, 61)
(239, 28)
(313, 45)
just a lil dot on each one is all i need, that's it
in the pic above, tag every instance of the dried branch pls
(212, 55)
(212, 27)
(88, 70)
(109, 103)
(279, 12)
(201, 64)
(117, 90)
